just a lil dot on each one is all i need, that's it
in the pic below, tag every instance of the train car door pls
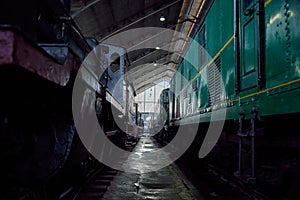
(249, 45)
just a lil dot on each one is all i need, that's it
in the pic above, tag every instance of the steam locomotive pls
(41, 52)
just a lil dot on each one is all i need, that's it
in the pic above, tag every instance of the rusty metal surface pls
(15, 50)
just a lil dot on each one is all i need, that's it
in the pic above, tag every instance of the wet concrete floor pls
(164, 183)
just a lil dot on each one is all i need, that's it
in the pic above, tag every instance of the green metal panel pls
(277, 62)
(228, 71)
(219, 25)
(227, 19)
(185, 69)
(214, 29)
(203, 92)
(191, 60)
(293, 37)
(282, 41)
(228, 55)
(210, 83)
(194, 61)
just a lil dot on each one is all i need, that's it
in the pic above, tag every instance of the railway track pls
(242, 186)
(214, 183)
(95, 186)
(91, 186)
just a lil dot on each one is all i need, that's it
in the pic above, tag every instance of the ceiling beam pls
(157, 74)
(85, 7)
(146, 69)
(150, 83)
(146, 59)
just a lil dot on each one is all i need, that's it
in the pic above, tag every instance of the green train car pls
(243, 68)
(250, 58)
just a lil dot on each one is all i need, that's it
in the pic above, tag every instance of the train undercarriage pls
(262, 153)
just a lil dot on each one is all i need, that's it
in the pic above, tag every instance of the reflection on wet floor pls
(165, 183)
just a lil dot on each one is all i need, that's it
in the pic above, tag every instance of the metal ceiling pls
(101, 19)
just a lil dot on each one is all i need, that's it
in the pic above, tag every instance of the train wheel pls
(34, 153)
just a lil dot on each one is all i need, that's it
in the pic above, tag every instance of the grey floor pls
(165, 183)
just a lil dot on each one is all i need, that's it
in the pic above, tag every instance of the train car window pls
(247, 4)
(115, 62)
